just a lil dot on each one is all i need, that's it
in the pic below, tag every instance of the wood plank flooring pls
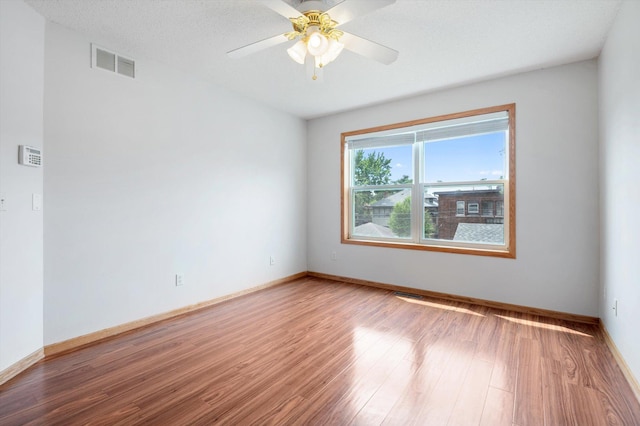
(318, 352)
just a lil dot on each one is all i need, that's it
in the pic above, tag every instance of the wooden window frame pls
(508, 250)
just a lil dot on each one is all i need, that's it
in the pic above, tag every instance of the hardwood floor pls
(316, 351)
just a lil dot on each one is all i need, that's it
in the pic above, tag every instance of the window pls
(487, 208)
(432, 184)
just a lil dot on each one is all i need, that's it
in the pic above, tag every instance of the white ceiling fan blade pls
(257, 46)
(349, 10)
(369, 49)
(282, 8)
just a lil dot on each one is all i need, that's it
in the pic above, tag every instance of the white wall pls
(21, 98)
(556, 196)
(619, 180)
(158, 175)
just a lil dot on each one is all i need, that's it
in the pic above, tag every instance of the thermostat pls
(30, 156)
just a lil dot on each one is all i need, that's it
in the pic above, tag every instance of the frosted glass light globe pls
(317, 44)
(297, 52)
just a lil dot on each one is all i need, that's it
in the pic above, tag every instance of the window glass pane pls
(449, 224)
(382, 213)
(487, 208)
(464, 159)
(383, 166)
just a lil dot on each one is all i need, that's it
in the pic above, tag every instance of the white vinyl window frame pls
(417, 133)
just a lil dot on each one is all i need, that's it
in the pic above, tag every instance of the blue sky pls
(463, 159)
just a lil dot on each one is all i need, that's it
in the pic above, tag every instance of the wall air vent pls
(126, 67)
(110, 61)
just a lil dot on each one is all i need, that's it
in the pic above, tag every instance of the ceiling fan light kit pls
(298, 52)
(317, 37)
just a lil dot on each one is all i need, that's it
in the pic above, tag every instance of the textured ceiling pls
(441, 44)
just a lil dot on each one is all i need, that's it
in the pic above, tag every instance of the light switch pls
(36, 202)
(3, 203)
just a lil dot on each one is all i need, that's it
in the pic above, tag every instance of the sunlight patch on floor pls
(545, 326)
(440, 306)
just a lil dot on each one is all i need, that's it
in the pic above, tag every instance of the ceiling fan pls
(319, 40)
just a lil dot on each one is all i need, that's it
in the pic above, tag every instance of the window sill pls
(502, 253)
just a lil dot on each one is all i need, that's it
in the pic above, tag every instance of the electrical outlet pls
(3, 203)
(272, 260)
(179, 280)
(36, 202)
(615, 307)
(334, 256)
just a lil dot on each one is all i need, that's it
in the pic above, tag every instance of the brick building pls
(485, 206)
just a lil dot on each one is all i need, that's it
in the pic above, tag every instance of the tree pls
(429, 227)
(400, 220)
(372, 169)
(403, 179)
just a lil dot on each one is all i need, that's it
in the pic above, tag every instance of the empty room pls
(300, 212)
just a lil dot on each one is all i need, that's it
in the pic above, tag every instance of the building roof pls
(459, 192)
(393, 199)
(480, 232)
(373, 230)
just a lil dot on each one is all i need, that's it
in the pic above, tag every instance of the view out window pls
(432, 184)
(487, 208)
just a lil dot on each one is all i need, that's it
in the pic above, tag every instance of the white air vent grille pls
(110, 61)
(126, 67)
(105, 60)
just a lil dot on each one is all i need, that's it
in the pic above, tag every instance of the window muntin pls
(466, 158)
